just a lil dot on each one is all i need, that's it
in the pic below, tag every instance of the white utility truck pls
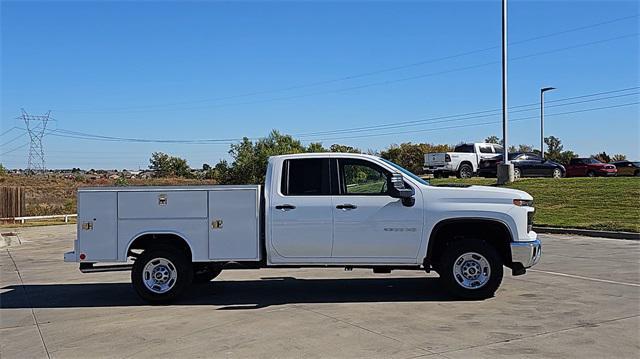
(464, 161)
(315, 210)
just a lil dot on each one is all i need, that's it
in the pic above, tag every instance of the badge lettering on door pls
(390, 229)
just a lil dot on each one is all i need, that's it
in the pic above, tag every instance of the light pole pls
(505, 169)
(542, 91)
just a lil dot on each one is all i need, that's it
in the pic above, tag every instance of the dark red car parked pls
(589, 167)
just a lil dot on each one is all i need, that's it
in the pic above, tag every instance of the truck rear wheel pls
(465, 171)
(471, 269)
(161, 275)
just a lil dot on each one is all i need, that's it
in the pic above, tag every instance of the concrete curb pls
(588, 233)
(9, 239)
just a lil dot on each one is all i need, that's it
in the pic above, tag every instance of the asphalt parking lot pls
(582, 300)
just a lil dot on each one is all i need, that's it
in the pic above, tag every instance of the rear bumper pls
(70, 257)
(526, 253)
(443, 168)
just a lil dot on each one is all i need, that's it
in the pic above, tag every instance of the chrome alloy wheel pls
(557, 173)
(159, 275)
(471, 270)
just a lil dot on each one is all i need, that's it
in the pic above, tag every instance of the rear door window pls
(464, 149)
(486, 149)
(306, 177)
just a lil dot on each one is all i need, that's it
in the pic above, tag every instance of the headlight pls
(523, 202)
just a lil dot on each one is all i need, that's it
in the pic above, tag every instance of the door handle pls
(346, 206)
(285, 207)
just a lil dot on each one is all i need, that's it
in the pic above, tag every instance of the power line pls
(385, 82)
(7, 131)
(475, 124)
(359, 75)
(450, 118)
(14, 139)
(14, 149)
(476, 114)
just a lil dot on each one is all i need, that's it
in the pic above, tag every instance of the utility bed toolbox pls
(216, 222)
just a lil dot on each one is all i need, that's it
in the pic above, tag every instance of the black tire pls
(437, 175)
(465, 171)
(454, 252)
(637, 173)
(181, 265)
(517, 174)
(591, 174)
(206, 273)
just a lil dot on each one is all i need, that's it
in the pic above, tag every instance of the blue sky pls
(223, 70)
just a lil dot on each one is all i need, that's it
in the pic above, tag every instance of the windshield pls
(406, 172)
(593, 160)
(636, 164)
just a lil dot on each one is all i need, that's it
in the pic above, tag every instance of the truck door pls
(300, 210)
(370, 225)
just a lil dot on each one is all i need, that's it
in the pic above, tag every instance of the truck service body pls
(324, 209)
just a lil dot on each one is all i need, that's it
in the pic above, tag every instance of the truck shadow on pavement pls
(231, 294)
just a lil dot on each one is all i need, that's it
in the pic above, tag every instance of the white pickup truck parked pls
(315, 210)
(464, 161)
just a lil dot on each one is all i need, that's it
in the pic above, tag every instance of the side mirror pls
(398, 190)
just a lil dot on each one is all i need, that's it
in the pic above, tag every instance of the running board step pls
(92, 268)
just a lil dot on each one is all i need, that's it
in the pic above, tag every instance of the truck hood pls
(477, 194)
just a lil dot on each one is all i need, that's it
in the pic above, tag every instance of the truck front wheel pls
(471, 269)
(161, 275)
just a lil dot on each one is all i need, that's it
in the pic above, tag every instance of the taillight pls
(447, 158)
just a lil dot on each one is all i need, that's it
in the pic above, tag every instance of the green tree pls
(411, 155)
(493, 139)
(343, 148)
(160, 163)
(3, 170)
(554, 145)
(249, 164)
(165, 165)
(206, 167)
(179, 167)
(315, 147)
(618, 157)
(602, 157)
(555, 151)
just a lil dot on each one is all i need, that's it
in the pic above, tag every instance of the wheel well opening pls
(155, 240)
(465, 163)
(492, 232)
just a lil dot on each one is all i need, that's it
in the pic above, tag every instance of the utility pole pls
(542, 91)
(36, 127)
(505, 169)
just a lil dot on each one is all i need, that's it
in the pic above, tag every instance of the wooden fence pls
(12, 202)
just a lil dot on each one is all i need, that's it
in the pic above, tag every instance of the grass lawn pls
(590, 203)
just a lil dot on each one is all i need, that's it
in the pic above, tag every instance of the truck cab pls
(318, 209)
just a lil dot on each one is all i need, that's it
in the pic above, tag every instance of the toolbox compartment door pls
(97, 226)
(157, 204)
(234, 224)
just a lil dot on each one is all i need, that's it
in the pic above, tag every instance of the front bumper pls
(526, 253)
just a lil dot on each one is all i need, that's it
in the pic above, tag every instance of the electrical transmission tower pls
(36, 126)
